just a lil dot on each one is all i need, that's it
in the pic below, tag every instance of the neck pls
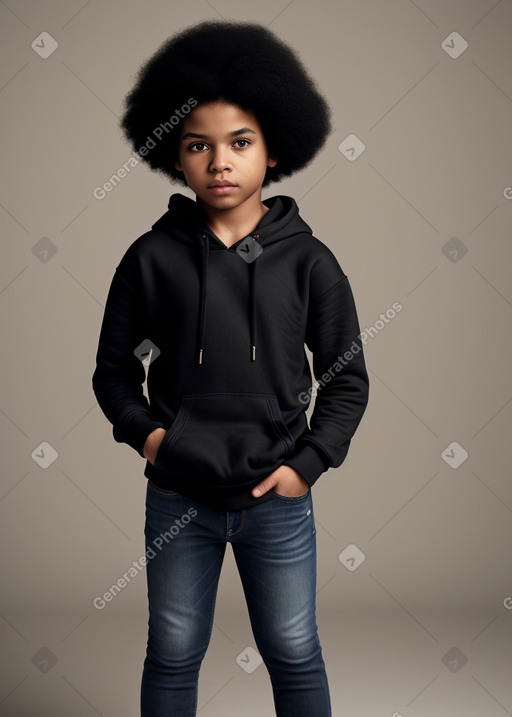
(230, 225)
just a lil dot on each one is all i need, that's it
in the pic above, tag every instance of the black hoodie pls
(231, 382)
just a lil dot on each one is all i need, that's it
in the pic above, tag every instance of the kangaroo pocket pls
(225, 438)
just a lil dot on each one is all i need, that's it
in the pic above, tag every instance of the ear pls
(272, 160)
(177, 165)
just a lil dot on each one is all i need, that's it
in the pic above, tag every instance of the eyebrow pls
(235, 133)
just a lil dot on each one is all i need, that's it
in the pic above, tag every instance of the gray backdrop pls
(413, 193)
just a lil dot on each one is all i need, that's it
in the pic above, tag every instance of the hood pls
(185, 221)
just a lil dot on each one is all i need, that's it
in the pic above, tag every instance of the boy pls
(226, 291)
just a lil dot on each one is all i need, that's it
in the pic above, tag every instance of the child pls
(222, 295)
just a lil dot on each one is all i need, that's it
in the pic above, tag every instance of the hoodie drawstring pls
(252, 324)
(204, 282)
(252, 300)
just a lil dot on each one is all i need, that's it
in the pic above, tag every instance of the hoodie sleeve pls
(341, 382)
(119, 375)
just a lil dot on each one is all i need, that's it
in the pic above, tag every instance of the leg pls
(184, 558)
(276, 557)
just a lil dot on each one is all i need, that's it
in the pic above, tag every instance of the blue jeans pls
(274, 545)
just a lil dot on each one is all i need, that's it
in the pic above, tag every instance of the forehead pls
(218, 118)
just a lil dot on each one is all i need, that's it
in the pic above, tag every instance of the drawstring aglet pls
(200, 356)
(253, 358)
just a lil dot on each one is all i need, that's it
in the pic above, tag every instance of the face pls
(223, 155)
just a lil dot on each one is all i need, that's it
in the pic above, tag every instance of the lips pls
(221, 188)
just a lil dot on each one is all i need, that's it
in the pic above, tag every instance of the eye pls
(247, 143)
(197, 147)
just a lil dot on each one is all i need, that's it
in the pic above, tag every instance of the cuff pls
(136, 430)
(308, 462)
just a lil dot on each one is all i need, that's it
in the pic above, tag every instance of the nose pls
(220, 160)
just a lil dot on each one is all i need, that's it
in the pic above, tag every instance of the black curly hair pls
(241, 63)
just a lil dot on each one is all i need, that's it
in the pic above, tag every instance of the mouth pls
(222, 187)
(221, 183)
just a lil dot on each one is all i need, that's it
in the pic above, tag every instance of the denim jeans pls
(274, 545)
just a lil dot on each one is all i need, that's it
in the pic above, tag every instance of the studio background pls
(413, 193)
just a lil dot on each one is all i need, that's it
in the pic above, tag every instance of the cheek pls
(187, 167)
(195, 161)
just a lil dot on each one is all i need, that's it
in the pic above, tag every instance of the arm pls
(152, 444)
(339, 367)
(119, 375)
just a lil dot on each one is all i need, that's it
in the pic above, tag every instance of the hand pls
(285, 480)
(152, 444)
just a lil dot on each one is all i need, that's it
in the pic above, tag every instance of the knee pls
(173, 643)
(291, 645)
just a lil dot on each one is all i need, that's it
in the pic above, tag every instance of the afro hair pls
(241, 63)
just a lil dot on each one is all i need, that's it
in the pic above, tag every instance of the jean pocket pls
(290, 498)
(225, 438)
(161, 491)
